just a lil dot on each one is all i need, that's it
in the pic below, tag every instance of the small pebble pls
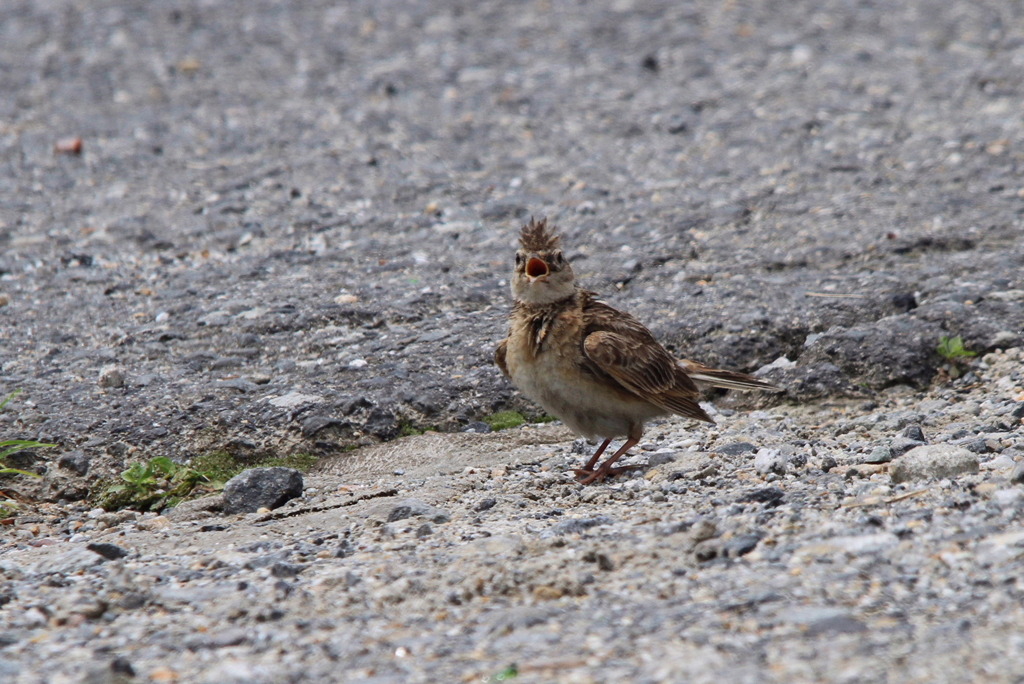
(112, 376)
(1017, 475)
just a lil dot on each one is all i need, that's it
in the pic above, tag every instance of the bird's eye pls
(519, 259)
(557, 259)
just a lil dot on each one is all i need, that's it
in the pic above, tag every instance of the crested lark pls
(596, 368)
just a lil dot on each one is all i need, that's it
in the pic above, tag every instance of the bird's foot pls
(586, 476)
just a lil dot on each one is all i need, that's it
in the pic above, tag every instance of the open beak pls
(536, 268)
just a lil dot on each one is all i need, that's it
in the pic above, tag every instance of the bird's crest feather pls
(537, 237)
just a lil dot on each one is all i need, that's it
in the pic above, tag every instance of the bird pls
(596, 368)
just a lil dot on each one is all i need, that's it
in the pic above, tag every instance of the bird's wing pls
(626, 351)
(499, 357)
(641, 368)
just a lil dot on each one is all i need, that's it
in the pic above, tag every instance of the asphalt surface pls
(289, 226)
(268, 197)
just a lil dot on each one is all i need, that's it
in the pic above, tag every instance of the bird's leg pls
(636, 431)
(606, 468)
(589, 467)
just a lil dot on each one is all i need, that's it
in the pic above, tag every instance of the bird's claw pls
(587, 476)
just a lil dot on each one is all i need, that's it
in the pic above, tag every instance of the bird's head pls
(542, 275)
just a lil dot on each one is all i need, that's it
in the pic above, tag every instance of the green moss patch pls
(503, 420)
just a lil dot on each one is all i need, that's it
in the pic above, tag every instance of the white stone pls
(294, 400)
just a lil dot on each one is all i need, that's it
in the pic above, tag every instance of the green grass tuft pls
(301, 462)
(162, 483)
(408, 429)
(155, 485)
(510, 672)
(952, 349)
(8, 507)
(220, 466)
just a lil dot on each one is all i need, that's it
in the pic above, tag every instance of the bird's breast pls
(553, 374)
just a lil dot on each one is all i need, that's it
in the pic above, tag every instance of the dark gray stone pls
(867, 352)
(736, 448)
(382, 423)
(485, 505)
(122, 666)
(902, 445)
(76, 461)
(313, 425)
(914, 433)
(814, 379)
(770, 496)
(258, 488)
(108, 551)
(393, 510)
(577, 525)
(285, 570)
(881, 454)
(976, 445)
(660, 459)
(239, 384)
(739, 545)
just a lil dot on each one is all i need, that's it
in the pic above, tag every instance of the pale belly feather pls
(585, 405)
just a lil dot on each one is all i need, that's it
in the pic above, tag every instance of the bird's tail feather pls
(725, 379)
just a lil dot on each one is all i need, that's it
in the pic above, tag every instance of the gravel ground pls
(289, 229)
(772, 547)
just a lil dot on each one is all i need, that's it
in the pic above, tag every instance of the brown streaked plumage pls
(596, 368)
